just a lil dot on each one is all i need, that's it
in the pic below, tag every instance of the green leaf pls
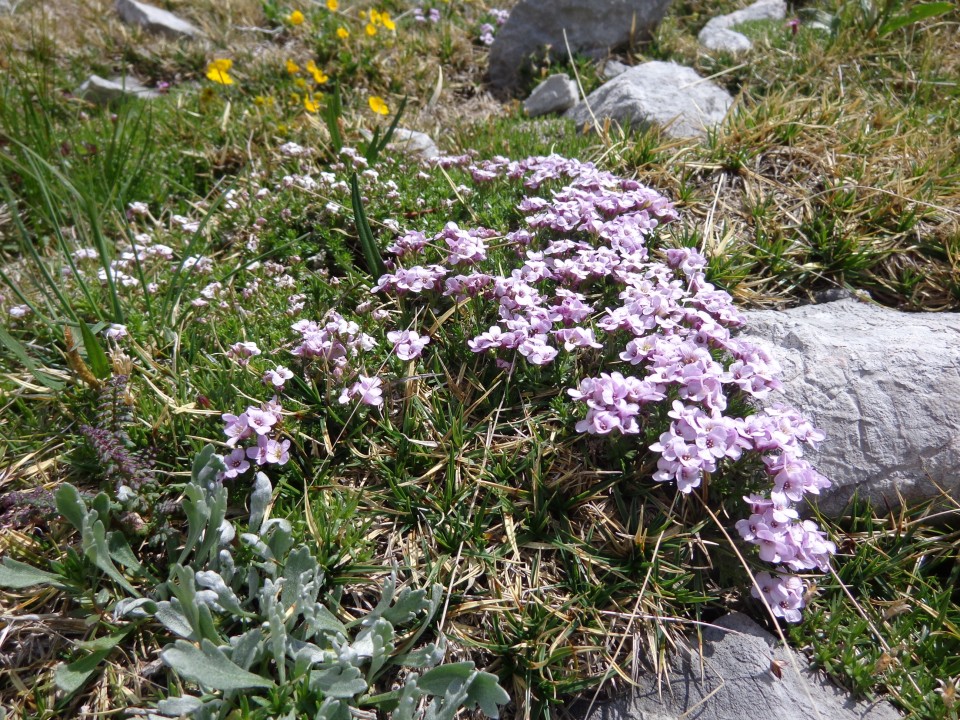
(208, 666)
(99, 552)
(340, 681)
(918, 12)
(173, 620)
(371, 253)
(70, 504)
(486, 692)
(74, 676)
(16, 575)
(96, 357)
(331, 115)
(439, 679)
(20, 352)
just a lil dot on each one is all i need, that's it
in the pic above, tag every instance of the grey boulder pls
(155, 20)
(883, 385)
(730, 678)
(719, 35)
(555, 94)
(101, 91)
(661, 93)
(590, 27)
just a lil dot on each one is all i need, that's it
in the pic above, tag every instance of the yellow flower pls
(374, 17)
(300, 83)
(371, 29)
(262, 100)
(333, 5)
(343, 33)
(310, 103)
(318, 76)
(387, 22)
(219, 71)
(378, 105)
(292, 67)
(296, 18)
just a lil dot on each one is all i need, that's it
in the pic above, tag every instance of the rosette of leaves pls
(253, 632)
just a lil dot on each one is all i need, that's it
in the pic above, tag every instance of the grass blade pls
(368, 244)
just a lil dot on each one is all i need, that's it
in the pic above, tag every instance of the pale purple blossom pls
(278, 376)
(407, 345)
(368, 389)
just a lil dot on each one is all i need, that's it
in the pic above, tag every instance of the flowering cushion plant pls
(651, 341)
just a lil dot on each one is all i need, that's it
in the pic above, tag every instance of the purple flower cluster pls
(586, 282)
(260, 425)
(335, 342)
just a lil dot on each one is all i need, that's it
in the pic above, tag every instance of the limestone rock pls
(557, 93)
(101, 91)
(885, 388)
(662, 93)
(414, 143)
(719, 35)
(730, 679)
(155, 20)
(612, 68)
(593, 27)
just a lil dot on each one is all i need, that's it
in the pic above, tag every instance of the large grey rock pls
(414, 143)
(593, 28)
(731, 679)
(661, 93)
(719, 35)
(557, 93)
(155, 20)
(101, 91)
(885, 388)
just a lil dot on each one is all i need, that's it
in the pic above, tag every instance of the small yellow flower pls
(318, 75)
(296, 18)
(387, 22)
(310, 103)
(262, 100)
(374, 17)
(292, 67)
(371, 29)
(378, 105)
(300, 83)
(295, 97)
(343, 33)
(333, 5)
(219, 71)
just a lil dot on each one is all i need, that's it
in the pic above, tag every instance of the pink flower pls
(236, 429)
(243, 351)
(278, 376)
(369, 389)
(259, 421)
(236, 463)
(407, 345)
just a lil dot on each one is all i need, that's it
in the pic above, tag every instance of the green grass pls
(839, 167)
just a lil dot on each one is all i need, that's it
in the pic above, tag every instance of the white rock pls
(155, 20)
(414, 143)
(557, 93)
(612, 68)
(729, 678)
(885, 388)
(99, 90)
(592, 27)
(718, 35)
(661, 93)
